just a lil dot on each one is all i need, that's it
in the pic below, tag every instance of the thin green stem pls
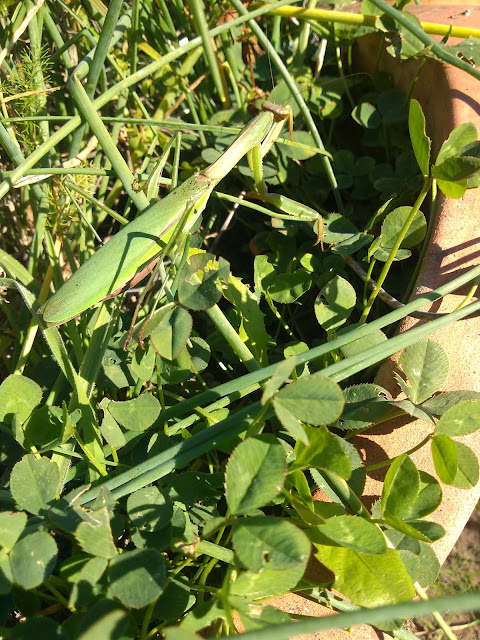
(320, 351)
(296, 95)
(328, 16)
(395, 248)
(196, 118)
(470, 294)
(386, 463)
(147, 618)
(133, 43)
(304, 36)
(104, 44)
(201, 26)
(116, 216)
(93, 63)
(168, 18)
(426, 242)
(435, 614)
(86, 107)
(233, 339)
(279, 317)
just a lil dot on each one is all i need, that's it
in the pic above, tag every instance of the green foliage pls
(421, 143)
(137, 578)
(137, 414)
(401, 485)
(324, 451)
(426, 367)
(354, 533)
(32, 559)
(461, 419)
(393, 224)
(469, 49)
(388, 579)
(32, 69)
(467, 467)
(314, 399)
(252, 320)
(11, 526)
(267, 583)
(198, 287)
(454, 461)
(34, 483)
(255, 473)
(157, 479)
(264, 541)
(340, 298)
(171, 332)
(95, 535)
(365, 404)
(85, 582)
(457, 161)
(403, 42)
(18, 396)
(149, 509)
(105, 618)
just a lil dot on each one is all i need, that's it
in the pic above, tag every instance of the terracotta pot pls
(449, 97)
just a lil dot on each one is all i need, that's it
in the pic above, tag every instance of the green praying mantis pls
(114, 266)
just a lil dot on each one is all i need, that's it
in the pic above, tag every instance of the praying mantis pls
(113, 267)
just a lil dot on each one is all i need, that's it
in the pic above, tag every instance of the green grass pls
(145, 487)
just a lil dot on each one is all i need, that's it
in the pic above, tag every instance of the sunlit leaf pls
(270, 542)
(137, 414)
(444, 454)
(459, 420)
(425, 365)
(367, 580)
(323, 451)
(401, 485)
(95, 535)
(255, 473)
(354, 533)
(314, 399)
(467, 467)
(421, 143)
